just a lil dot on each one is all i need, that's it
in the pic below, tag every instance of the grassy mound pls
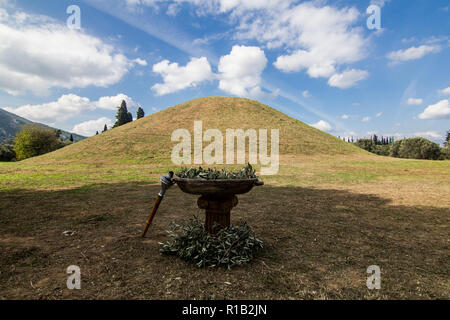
(149, 139)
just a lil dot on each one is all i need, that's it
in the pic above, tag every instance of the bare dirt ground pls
(318, 244)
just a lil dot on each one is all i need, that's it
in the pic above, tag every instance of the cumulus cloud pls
(68, 106)
(89, 128)
(178, 77)
(322, 125)
(345, 116)
(412, 53)
(306, 94)
(445, 91)
(347, 79)
(415, 101)
(322, 37)
(440, 110)
(366, 119)
(240, 71)
(141, 62)
(38, 53)
(113, 102)
(429, 134)
(319, 38)
(379, 114)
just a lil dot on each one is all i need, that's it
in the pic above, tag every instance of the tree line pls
(411, 148)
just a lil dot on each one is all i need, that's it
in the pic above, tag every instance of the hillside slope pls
(10, 124)
(148, 139)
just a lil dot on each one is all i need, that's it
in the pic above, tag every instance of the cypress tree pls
(123, 116)
(96, 132)
(105, 128)
(71, 138)
(447, 139)
(140, 113)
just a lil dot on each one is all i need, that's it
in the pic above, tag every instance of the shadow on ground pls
(318, 245)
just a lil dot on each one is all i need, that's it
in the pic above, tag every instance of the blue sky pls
(316, 61)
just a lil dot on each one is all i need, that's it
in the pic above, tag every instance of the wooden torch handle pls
(152, 215)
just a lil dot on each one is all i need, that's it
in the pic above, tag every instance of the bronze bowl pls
(219, 188)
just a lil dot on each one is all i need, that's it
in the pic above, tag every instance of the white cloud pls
(379, 3)
(347, 79)
(172, 10)
(306, 94)
(88, 128)
(6, 3)
(445, 91)
(412, 53)
(430, 134)
(415, 101)
(345, 116)
(302, 59)
(38, 53)
(379, 114)
(178, 78)
(321, 37)
(113, 102)
(322, 125)
(440, 110)
(366, 119)
(68, 106)
(140, 62)
(240, 71)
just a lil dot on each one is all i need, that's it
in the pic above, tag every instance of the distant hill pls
(148, 139)
(10, 124)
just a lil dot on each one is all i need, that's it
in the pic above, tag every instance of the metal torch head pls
(166, 183)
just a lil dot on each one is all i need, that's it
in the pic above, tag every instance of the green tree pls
(375, 139)
(7, 152)
(447, 140)
(105, 128)
(123, 116)
(140, 113)
(382, 150)
(33, 140)
(366, 144)
(71, 138)
(415, 148)
(96, 132)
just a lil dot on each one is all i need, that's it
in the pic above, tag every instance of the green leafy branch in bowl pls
(246, 172)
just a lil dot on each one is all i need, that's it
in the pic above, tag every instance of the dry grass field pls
(332, 211)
